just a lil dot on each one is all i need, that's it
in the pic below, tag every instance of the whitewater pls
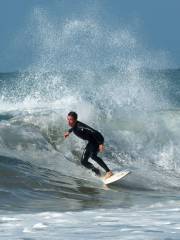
(118, 88)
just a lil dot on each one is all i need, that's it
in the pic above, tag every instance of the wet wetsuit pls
(94, 139)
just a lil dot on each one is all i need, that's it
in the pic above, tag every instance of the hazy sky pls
(156, 22)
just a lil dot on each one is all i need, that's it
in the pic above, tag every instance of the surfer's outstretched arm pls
(66, 134)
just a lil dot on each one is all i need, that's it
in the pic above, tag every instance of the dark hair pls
(73, 114)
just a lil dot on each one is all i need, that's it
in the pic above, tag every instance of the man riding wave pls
(95, 143)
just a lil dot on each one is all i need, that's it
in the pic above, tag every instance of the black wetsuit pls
(94, 139)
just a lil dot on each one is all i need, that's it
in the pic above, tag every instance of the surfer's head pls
(72, 118)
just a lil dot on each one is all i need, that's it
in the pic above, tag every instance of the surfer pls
(95, 143)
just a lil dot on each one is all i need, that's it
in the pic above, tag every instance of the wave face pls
(101, 74)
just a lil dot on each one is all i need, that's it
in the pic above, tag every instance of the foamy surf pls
(129, 223)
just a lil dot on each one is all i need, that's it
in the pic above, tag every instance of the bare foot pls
(108, 174)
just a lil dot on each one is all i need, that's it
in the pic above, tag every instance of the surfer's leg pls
(109, 173)
(100, 162)
(84, 160)
(94, 152)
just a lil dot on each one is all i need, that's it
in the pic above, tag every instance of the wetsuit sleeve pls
(70, 130)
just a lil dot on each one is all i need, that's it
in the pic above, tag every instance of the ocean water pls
(108, 79)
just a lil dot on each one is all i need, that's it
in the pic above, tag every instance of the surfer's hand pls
(101, 147)
(66, 134)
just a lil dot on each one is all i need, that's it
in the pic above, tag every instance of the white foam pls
(107, 222)
(39, 226)
(26, 230)
(10, 219)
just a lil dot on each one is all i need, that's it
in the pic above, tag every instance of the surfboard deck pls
(115, 177)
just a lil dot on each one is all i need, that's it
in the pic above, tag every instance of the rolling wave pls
(101, 74)
(35, 157)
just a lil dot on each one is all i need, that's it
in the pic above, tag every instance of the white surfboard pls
(116, 176)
